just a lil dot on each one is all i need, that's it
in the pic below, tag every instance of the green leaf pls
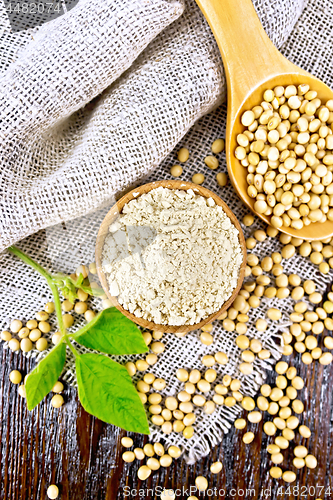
(41, 380)
(106, 391)
(111, 332)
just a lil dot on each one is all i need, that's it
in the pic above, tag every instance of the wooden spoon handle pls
(249, 57)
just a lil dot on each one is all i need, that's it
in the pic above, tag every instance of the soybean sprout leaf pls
(96, 292)
(106, 391)
(41, 380)
(111, 332)
(79, 281)
(72, 296)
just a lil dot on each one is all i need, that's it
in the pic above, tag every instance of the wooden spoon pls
(253, 64)
(113, 214)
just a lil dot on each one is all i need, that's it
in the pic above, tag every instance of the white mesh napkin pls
(61, 161)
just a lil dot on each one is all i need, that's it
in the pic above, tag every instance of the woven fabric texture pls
(62, 160)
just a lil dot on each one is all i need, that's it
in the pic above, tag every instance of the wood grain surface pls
(82, 455)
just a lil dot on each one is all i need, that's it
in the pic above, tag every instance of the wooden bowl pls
(114, 212)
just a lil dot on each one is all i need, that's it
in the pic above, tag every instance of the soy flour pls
(172, 257)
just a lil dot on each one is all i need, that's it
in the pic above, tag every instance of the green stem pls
(85, 328)
(72, 348)
(57, 305)
(49, 278)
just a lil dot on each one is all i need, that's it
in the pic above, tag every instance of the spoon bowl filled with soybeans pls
(279, 138)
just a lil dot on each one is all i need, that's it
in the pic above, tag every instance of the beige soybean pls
(298, 462)
(166, 460)
(174, 451)
(277, 458)
(176, 170)
(281, 382)
(328, 342)
(201, 483)
(282, 442)
(265, 390)
(289, 476)
(16, 326)
(216, 467)
(326, 358)
(221, 358)
(273, 449)
(274, 314)
(242, 341)
(248, 356)
(248, 220)
(144, 472)
(52, 491)
(198, 178)
(6, 336)
(304, 431)
(262, 403)
(208, 360)
(182, 374)
(194, 376)
(269, 428)
(128, 456)
(240, 423)
(311, 461)
(254, 417)
(273, 408)
(218, 146)
(248, 403)
(275, 472)
(230, 401)
(57, 401)
(211, 162)
(281, 367)
(248, 437)
(183, 155)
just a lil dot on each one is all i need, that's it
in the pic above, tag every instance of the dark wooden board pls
(82, 455)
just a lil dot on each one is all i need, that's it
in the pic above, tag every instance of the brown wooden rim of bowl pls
(117, 209)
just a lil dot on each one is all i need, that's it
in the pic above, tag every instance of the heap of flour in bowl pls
(172, 257)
